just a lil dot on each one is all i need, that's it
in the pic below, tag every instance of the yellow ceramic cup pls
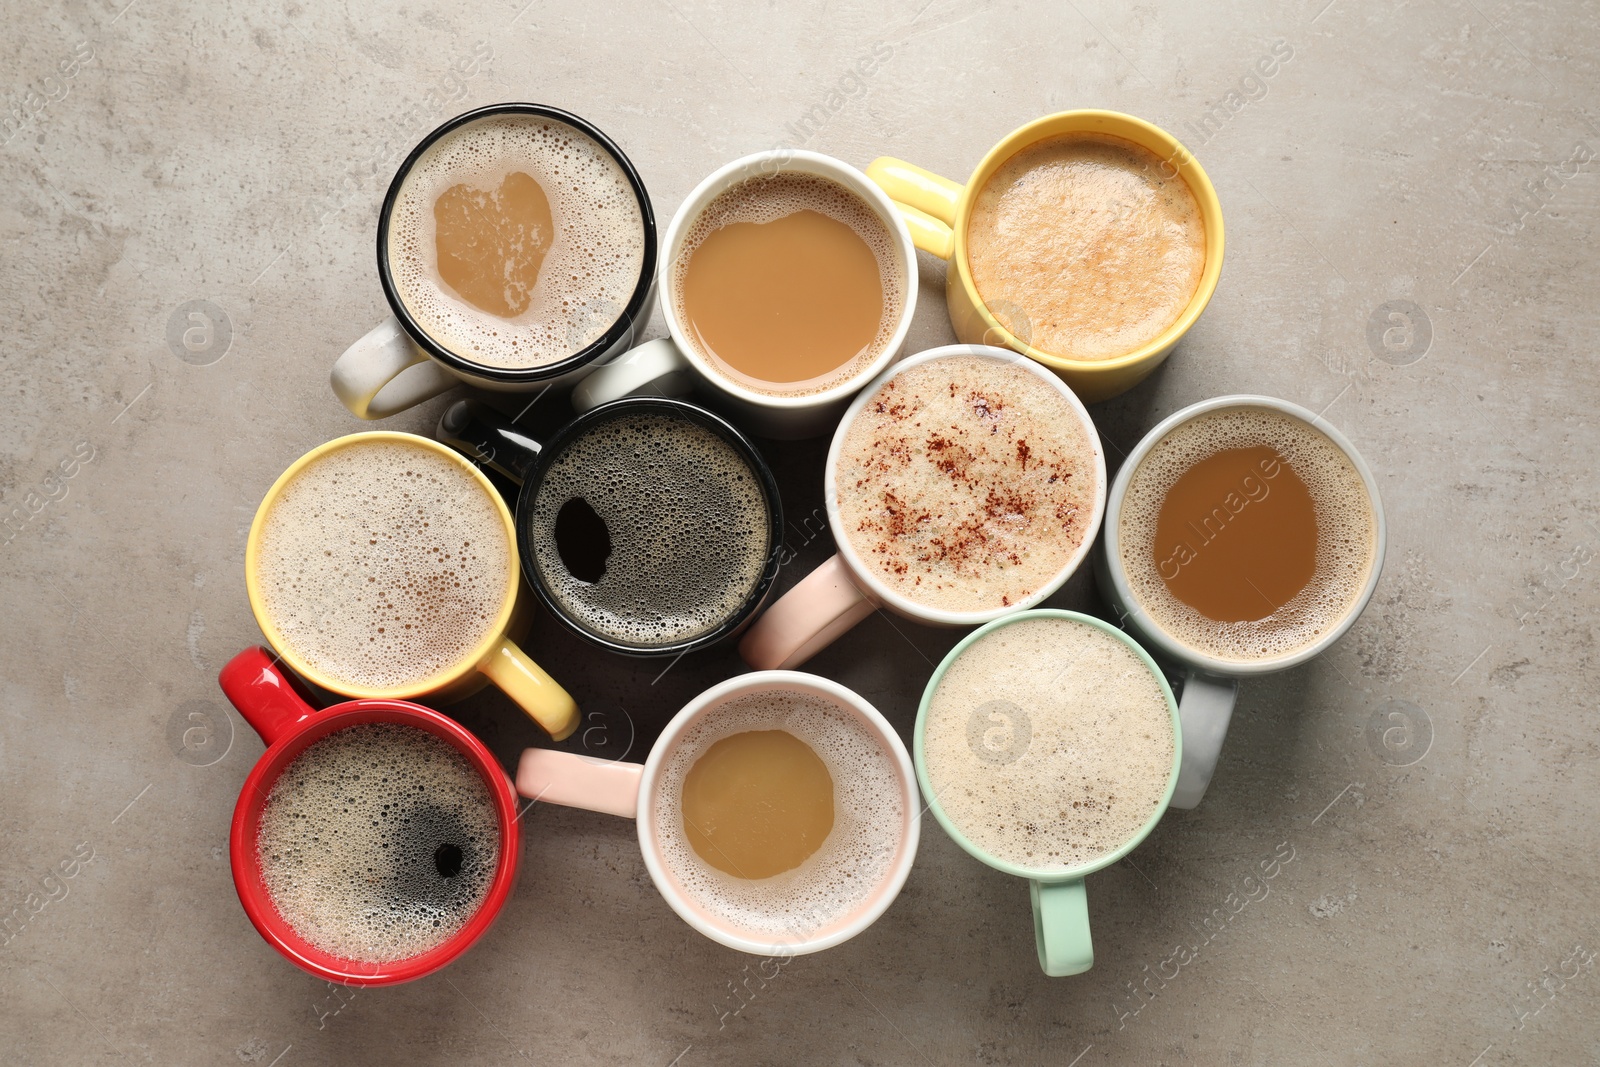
(497, 658)
(938, 210)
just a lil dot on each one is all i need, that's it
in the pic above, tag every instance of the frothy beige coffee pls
(378, 843)
(382, 563)
(788, 284)
(1048, 743)
(850, 866)
(966, 483)
(1085, 247)
(515, 241)
(1345, 534)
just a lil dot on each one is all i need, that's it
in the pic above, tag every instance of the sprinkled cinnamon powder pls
(966, 484)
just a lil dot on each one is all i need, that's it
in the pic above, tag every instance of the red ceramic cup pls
(273, 703)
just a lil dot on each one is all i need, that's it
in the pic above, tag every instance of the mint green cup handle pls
(1061, 927)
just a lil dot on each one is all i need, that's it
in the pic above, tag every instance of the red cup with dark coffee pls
(374, 841)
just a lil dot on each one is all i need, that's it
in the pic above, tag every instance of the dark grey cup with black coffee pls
(649, 526)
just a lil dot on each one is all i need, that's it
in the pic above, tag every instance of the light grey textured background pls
(1434, 777)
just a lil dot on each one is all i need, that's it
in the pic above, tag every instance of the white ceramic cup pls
(1211, 684)
(671, 365)
(634, 791)
(843, 591)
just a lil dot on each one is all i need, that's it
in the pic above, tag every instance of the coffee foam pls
(767, 198)
(1084, 247)
(589, 273)
(966, 483)
(1346, 533)
(688, 521)
(347, 837)
(1048, 743)
(382, 563)
(853, 861)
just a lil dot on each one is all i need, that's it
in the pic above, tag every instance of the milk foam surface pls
(966, 483)
(1346, 533)
(688, 522)
(348, 835)
(589, 272)
(1048, 743)
(1085, 247)
(854, 860)
(382, 563)
(769, 197)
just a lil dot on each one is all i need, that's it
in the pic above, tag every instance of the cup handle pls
(385, 373)
(575, 781)
(269, 697)
(486, 435)
(1204, 710)
(1061, 927)
(806, 619)
(926, 201)
(540, 695)
(655, 368)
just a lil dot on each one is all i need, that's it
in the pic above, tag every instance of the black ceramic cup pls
(649, 526)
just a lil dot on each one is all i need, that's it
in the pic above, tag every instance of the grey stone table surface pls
(1412, 204)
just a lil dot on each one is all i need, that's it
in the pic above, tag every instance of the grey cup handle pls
(1205, 709)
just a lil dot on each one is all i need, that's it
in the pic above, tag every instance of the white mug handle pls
(385, 373)
(655, 368)
(1204, 710)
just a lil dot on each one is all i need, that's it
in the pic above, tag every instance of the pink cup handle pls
(575, 781)
(806, 619)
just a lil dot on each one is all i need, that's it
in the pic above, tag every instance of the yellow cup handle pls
(540, 695)
(926, 201)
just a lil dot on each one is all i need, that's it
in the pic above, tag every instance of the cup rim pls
(286, 652)
(1158, 636)
(552, 448)
(750, 166)
(244, 830)
(894, 879)
(1046, 876)
(875, 588)
(1178, 156)
(632, 314)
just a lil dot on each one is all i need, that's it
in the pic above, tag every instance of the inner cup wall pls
(801, 934)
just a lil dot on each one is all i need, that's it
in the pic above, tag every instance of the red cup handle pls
(268, 697)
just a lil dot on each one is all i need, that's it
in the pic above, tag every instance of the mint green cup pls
(1060, 903)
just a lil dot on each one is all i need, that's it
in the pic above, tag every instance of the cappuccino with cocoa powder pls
(967, 483)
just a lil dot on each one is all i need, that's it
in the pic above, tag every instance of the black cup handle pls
(489, 437)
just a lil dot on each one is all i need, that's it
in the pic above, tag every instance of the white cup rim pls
(811, 163)
(1152, 632)
(870, 584)
(888, 889)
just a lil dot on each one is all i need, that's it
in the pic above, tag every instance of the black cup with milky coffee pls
(649, 526)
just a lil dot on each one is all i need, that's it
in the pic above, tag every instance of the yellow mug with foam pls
(938, 211)
(336, 508)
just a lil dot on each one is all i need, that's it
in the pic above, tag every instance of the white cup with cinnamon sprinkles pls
(964, 484)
